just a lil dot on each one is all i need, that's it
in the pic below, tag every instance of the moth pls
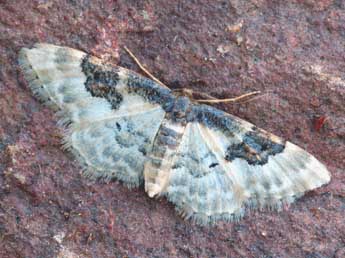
(120, 125)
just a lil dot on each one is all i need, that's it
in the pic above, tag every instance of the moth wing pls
(225, 165)
(54, 73)
(109, 134)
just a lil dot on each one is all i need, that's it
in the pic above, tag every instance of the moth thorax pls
(180, 107)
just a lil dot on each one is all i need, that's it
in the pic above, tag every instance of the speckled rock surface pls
(293, 52)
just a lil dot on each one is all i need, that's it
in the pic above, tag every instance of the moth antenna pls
(236, 99)
(144, 69)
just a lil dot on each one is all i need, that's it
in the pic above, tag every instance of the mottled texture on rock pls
(293, 51)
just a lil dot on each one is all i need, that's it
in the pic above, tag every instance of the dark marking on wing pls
(213, 165)
(255, 148)
(106, 74)
(118, 126)
(213, 118)
(153, 92)
(101, 82)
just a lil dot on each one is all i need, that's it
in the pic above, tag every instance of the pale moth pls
(119, 125)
